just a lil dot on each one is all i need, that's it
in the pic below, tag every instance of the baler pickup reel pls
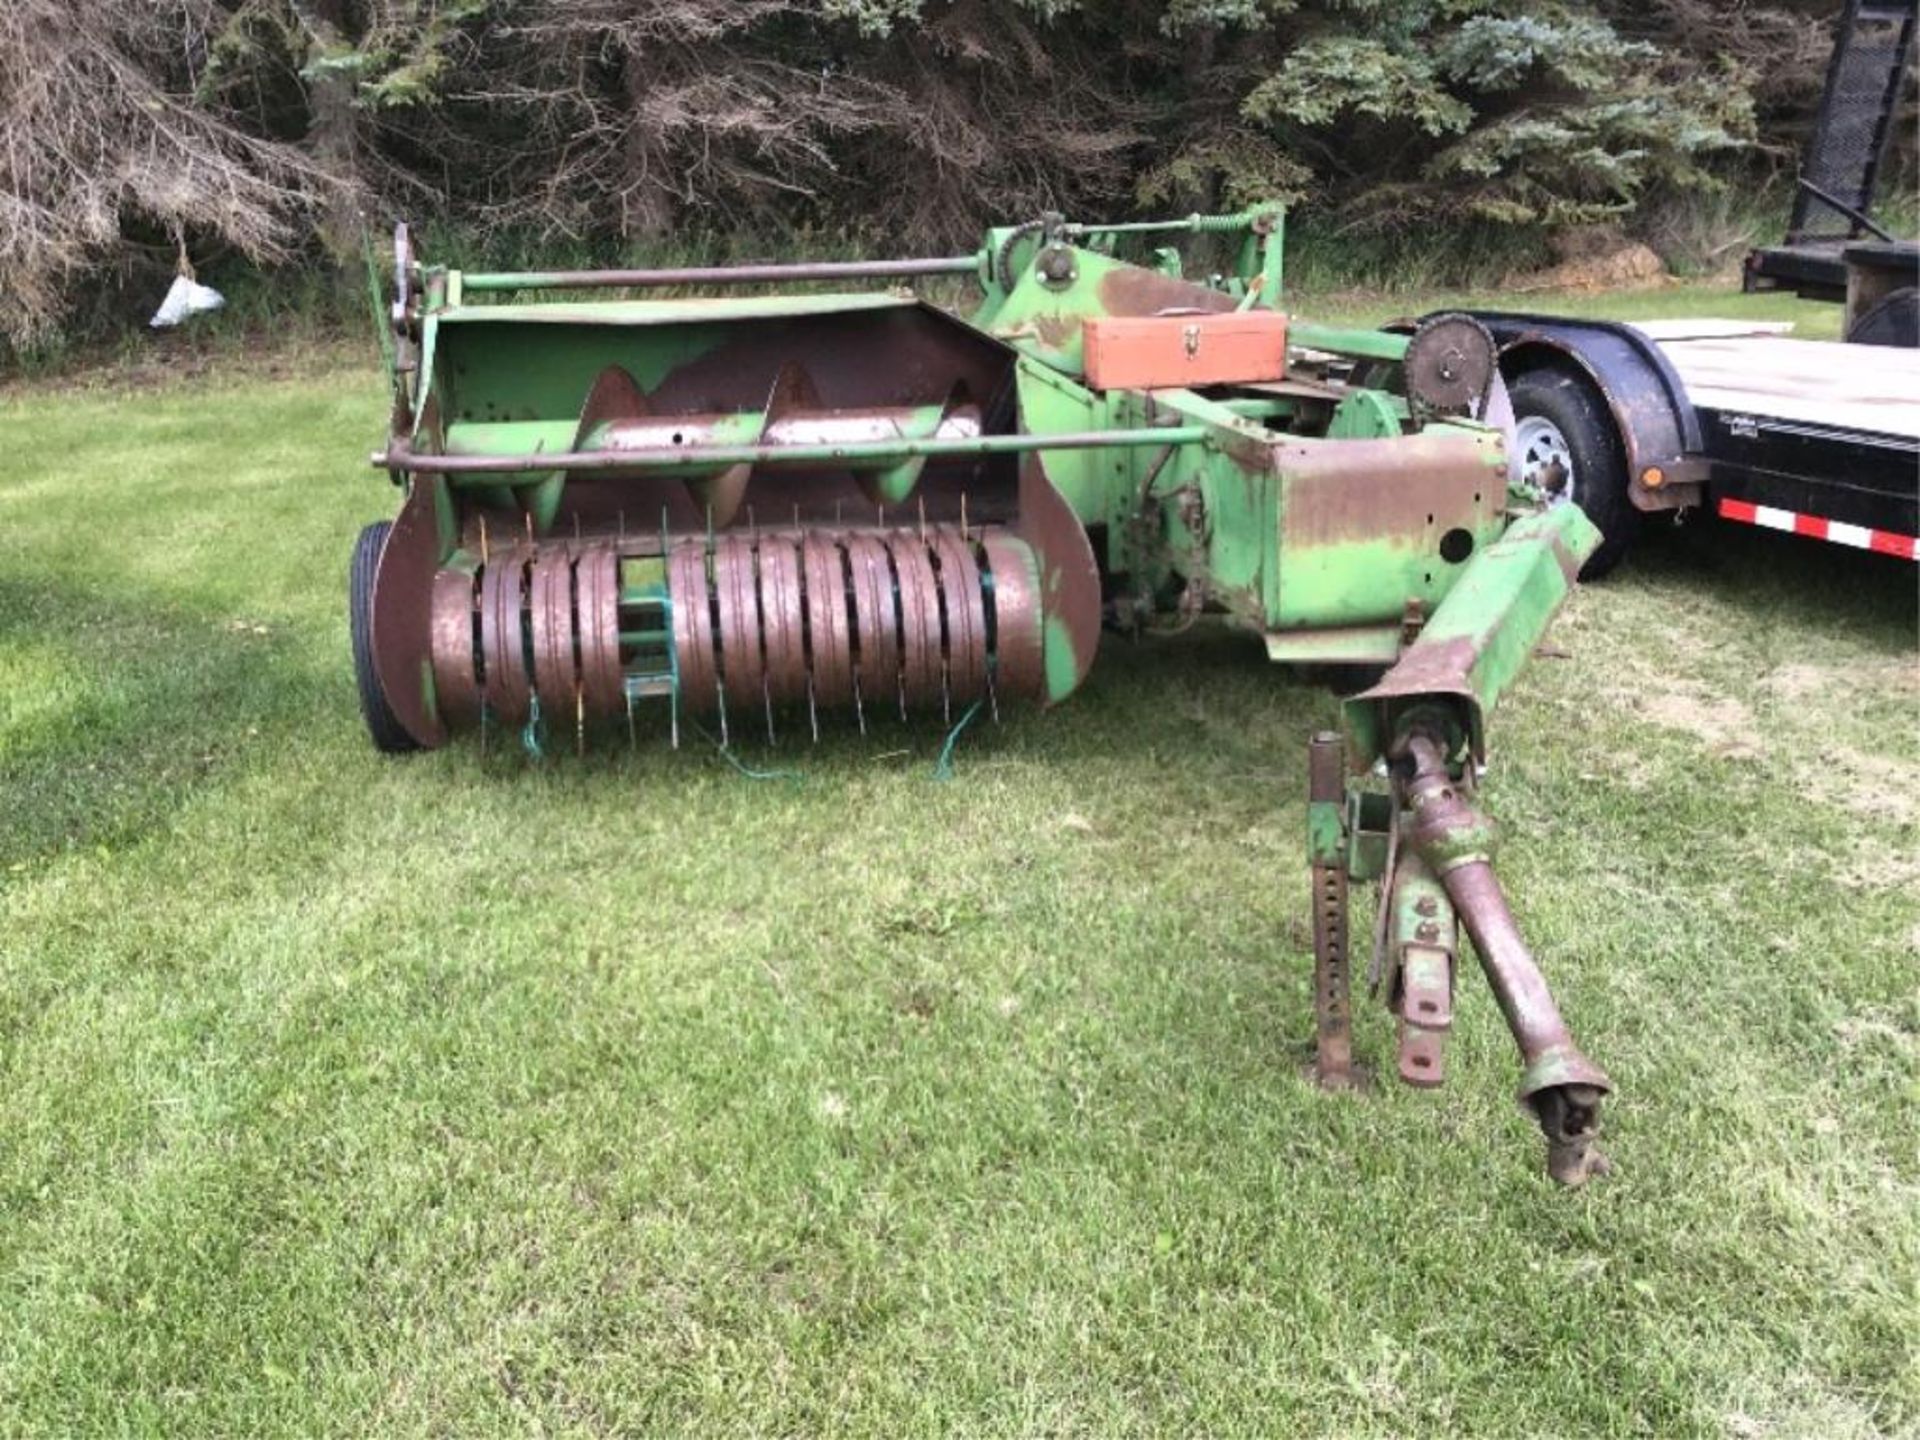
(762, 510)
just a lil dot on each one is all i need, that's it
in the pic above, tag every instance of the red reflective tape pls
(1883, 542)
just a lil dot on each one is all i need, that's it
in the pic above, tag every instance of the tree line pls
(281, 130)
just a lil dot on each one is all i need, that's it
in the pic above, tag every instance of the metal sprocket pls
(1450, 365)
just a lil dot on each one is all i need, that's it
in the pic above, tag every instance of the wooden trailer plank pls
(1858, 387)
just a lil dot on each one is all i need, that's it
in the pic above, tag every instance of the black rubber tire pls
(1894, 321)
(389, 736)
(1572, 406)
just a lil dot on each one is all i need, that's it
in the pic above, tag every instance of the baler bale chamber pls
(764, 505)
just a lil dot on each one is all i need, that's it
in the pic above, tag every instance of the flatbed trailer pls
(1818, 439)
(1812, 437)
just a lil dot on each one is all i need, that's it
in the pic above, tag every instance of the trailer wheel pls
(1567, 448)
(388, 735)
(1894, 321)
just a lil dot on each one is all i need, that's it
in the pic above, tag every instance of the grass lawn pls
(466, 1095)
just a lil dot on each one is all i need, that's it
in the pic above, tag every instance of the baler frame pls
(711, 529)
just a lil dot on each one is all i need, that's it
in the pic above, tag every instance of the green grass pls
(465, 1095)
(1811, 320)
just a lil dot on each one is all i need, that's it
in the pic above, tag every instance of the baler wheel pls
(389, 736)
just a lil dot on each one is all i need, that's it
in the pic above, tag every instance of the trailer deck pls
(1760, 372)
(1807, 436)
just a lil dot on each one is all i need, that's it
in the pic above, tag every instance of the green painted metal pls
(1267, 212)
(702, 309)
(1325, 517)
(1336, 645)
(1327, 832)
(1482, 635)
(1343, 340)
(1323, 536)
(1365, 415)
(1370, 820)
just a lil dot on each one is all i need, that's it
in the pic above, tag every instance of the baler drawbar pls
(765, 508)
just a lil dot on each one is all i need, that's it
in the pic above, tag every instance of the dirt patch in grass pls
(1802, 682)
(1869, 785)
(1723, 724)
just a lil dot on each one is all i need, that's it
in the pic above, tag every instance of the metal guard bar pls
(687, 460)
(717, 274)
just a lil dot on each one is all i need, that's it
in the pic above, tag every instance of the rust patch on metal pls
(919, 620)
(456, 685)
(1332, 984)
(741, 665)
(1069, 573)
(782, 605)
(509, 689)
(903, 355)
(1565, 559)
(830, 647)
(1430, 667)
(1019, 666)
(878, 660)
(597, 582)
(614, 395)
(402, 607)
(550, 590)
(691, 600)
(1350, 490)
(1130, 290)
(966, 616)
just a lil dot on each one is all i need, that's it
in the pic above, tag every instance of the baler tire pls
(1571, 406)
(389, 736)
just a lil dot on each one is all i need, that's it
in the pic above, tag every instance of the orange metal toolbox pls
(1147, 352)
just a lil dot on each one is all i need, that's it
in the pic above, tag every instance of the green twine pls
(530, 732)
(726, 754)
(943, 767)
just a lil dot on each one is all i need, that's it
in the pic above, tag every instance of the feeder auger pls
(765, 508)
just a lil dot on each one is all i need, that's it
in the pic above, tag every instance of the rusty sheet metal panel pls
(1161, 351)
(1366, 526)
(402, 612)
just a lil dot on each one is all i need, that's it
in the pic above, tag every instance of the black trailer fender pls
(1659, 431)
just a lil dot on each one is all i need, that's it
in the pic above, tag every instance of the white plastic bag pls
(185, 297)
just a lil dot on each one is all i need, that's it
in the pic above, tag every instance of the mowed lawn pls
(464, 1094)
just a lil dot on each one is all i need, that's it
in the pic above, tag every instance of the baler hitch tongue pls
(1558, 1084)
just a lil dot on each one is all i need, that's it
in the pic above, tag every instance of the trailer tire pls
(1894, 321)
(389, 736)
(1562, 423)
